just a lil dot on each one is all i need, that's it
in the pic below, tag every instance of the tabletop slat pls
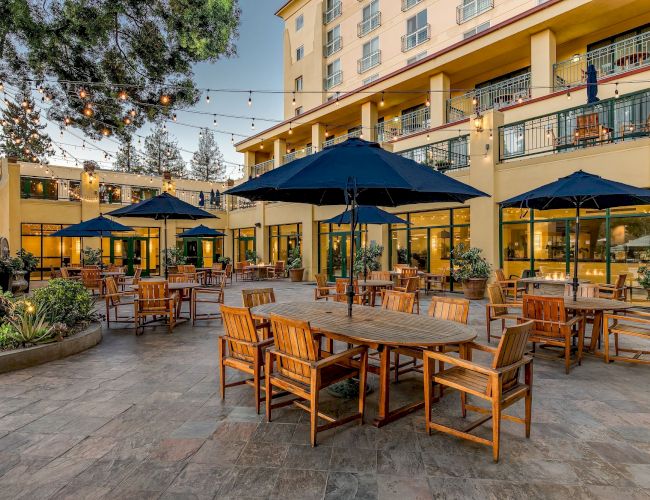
(595, 304)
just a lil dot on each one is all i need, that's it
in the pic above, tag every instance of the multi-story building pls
(491, 92)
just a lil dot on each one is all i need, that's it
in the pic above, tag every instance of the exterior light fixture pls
(478, 123)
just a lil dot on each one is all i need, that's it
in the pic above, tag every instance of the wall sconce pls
(478, 123)
(575, 58)
(258, 224)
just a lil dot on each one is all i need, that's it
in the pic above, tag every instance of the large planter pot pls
(28, 280)
(474, 288)
(296, 274)
(5, 281)
(19, 283)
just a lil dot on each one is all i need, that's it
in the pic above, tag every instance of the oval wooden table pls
(598, 307)
(377, 329)
(373, 285)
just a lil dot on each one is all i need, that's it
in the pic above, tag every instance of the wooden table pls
(373, 285)
(207, 272)
(257, 269)
(557, 284)
(598, 307)
(176, 287)
(112, 274)
(633, 58)
(377, 329)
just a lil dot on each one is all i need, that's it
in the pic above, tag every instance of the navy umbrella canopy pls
(580, 190)
(592, 84)
(366, 215)
(201, 231)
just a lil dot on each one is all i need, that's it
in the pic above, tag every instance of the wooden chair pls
(154, 299)
(257, 297)
(411, 285)
(278, 270)
(399, 267)
(213, 296)
(300, 370)
(124, 281)
(55, 273)
(65, 274)
(242, 271)
(406, 273)
(587, 290)
(228, 270)
(588, 128)
(379, 275)
(183, 295)
(360, 298)
(615, 291)
(634, 324)
(552, 325)
(499, 384)
(509, 285)
(499, 308)
(398, 301)
(92, 280)
(241, 348)
(323, 290)
(114, 300)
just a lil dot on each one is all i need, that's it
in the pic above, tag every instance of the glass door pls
(246, 245)
(192, 251)
(337, 256)
(130, 252)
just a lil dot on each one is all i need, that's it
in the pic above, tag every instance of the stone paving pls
(140, 417)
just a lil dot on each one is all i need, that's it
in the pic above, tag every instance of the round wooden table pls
(378, 329)
(373, 286)
(598, 307)
(113, 274)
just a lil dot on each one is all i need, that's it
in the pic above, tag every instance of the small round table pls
(597, 307)
(373, 285)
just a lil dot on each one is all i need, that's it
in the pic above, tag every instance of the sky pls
(257, 65)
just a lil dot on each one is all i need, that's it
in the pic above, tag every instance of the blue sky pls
(258, 65)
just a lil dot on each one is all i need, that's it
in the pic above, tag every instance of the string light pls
(174, 117)
(291, 129)
(83, 93)
(207, 97)
(232, 139)
(88, 111)
(568, 95)
(253, 124)
(428, 101)
(293, 101)
(214, 121)
(165, 100)
(122, 95)
(616, 95)
(250, 98)
(381, 103)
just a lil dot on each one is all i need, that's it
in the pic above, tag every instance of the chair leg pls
(488, 326)
(313, 407)
(363, 375)
(567, 355)
(528, 409)
(427, 392)
(496, 424)
(463, 403)
(267, 384)
(396, 364)
(616, 343)
(256, 379)
(222, 368)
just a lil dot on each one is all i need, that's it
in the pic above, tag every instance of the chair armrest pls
(264, 343)
(642, 318)
(239, 341)
(573, 320)
(523, 361)
(463, 363)
(335, 358)
(278, 354)
(507, 305)
(480, 347)
(507, 282)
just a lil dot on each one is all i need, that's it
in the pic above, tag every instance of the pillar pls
(249, 162)
(10, 216)
(439, 85)
(261, 233)
(309, 242)
(484, 218)
(279, 150)
(317, 136)
(542, 59)
(369, 121)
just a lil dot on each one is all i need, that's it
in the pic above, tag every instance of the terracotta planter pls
(474, 288)
(296, 274)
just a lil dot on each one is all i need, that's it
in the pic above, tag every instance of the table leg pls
(596, 331)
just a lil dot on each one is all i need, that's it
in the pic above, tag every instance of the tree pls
(207, 161)
(21, 129)
(161, 154)
(126, 159)
(112, 57)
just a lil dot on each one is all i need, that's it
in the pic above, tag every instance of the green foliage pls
(368, 259)
(66, 301)
(207, 161)
(251, 256)
(91, 256)
(174, 257)
(5, 304)
(402, 256)
(126, 158)
(29, 262)
(161, 154)
(29, 324)
(469, 263)
(146, 48)
(644, 277)
(294, 259)
(224, 260)
(6, 339)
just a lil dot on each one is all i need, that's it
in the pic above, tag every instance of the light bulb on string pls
(568, 95)
(207, 97)
(616, 95)
(83, 93)
(174, 117)
(122, 95)
(250, 98)
(293, 101)
(253, 124)
(428, 101)
(165, 100)
(290, 128)
(232, 139)
(133, 113)
(2, 87)
(214, 121)
(381, 103)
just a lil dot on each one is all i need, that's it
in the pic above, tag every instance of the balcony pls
(262, 168)
(610, 60)
(368, 25)
(342, 138)
(469, 10)
(333, 13)
(499, 95)
(450, 154)
(412, 40)
(239, 203)
(370, 61)
(605, 122)
(333, 47)
(401, 126)
(408, 4)
(333, 80)
(294, 155)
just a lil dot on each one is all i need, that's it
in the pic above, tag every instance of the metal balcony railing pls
(342, 138)
(416, 38)
(262, 168)
(499, 95)
(369, 62)
(242, 203)
(607, 121)
(469, 10)
(407, 124)
(333, 80)
(333, 13)
(368, 25)
(333, 47)
(619, 57)
(450, 154)
(407, 4)
(294, 155)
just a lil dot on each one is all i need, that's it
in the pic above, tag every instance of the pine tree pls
(21, 130)
(161, 154)
(207, 161)
(127, 159)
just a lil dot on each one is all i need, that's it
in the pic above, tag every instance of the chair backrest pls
(91, 278)
(178, 278)
(341, 286)
(321, 280)
(399, 267)
(295, 338)
(258, 296)
(239, 325)
(217, 266)
(111, 290)
(549, 313)
(398, 301)
(450, 309)
(228, 270)
(411, 284)
(620, 281)
(584, 290)
(512, 348)
(380, 275)
(64, 272)
(495, 296)
(90, 266)
(409, 272)
(587, 124)
(279, 265)
(240, 265)
(500, 275)
(151, 295)
(137, 272)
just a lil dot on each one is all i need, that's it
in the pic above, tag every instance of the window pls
(298, 110)
(74, 190)
(110, 193)
(39, 188)
(476, 31)
(416, 58)
(300, 21)
(370, 79)
(333, 41)
(333, 10)
(50, 251)
(139, 194)
(283, 239)
(417, 31)
(300, 53)
(371, 55)
(371, 18)
(469, 9)
(416, 22)
(334, 74)
(298, 84)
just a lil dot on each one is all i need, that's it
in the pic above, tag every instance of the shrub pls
(66, 301)
(469, 263)
(29, 324)
(5, 304)
(295, 259)
(368, 259)
(28, 260)
(174, 257)
(6, 340)
(91, 256)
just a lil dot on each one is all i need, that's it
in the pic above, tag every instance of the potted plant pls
(294, 265)
(18, 282)
(30, 263)
(368, 259)
(644, 279)
(174, 258)
(472, 270)
(91, 256)
(251, 256)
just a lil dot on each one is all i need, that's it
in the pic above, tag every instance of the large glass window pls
(39, 188)
(50, 251)
(335, 248)
(139, 194)
(244, 242)
(110, 193)
(283, 239)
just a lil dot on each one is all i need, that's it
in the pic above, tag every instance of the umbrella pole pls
(165, 254)
(575, 254)
(353, 223)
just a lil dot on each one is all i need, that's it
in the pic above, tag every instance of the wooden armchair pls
(411, 285)
(242, 271)
(228, 270)
(278, 270)
(509, 285)
(588, 128)
(114, 300)
(498, 384)
(323, 290)
(183, 295)
(241, 348)
(634, 324)
(360, 298)
(300, 370)
(154, 299)
(92, 280)
(398, 301)
(552, 326)
(256, 297)
(499, 308)
(65, 274)
(213, 296)
(379, 275)
(617, 291)
(124, 281)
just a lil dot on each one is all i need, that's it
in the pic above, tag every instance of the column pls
(484, 217)
(10, 213)
(369, 121)
(439, 85)
(542, 59)
(309, 242)
(249, 161)
(317, 136)
(279, 150)
(261, 232)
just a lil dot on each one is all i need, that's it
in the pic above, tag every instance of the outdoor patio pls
(140, 417)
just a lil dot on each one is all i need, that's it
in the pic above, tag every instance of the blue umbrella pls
(580, 190)
(201, 199)
(201, 231)
(355, 172)
(592, 84)
(367, 215)
(217, 199)
(212, 197)
(163, 207)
